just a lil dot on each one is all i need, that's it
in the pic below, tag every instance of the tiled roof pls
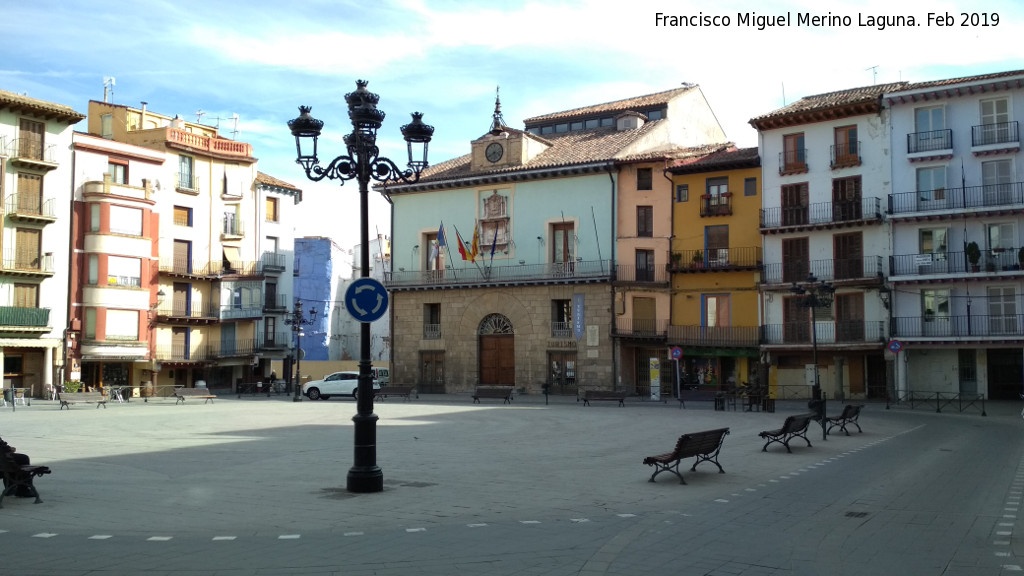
(961, 80)
(826, 106)
(726, 158)
(635, 103)
(42, 108)
(268, 180)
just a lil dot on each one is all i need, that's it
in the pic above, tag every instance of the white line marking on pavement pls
(219, 538)
(100, 537)
(352, 534)
(159, 538)
(43, 535)
(481, 525)
(1003, 533)
(579, 520)
(289, 536)
(722, 500)
(529, 521)
(1002, 554)
(415, 529)
(1011, 567)
(626, 515)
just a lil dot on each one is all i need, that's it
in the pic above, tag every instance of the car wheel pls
(313, 393)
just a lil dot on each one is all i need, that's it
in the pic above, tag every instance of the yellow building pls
(715, 266)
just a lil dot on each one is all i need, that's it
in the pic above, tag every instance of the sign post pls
(676, 354)
(894, 346)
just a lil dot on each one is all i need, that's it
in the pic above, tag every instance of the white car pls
(344, 383)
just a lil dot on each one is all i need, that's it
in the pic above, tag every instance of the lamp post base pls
(365, 480)
(297, 399)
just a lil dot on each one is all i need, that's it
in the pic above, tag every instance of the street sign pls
(895, 346)
(677, 352)
(366, 300)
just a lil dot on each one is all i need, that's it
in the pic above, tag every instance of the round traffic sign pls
(677, 352)
(366, 300)
(895, 346)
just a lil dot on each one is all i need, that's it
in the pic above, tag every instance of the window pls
(1002, 309)
(233, 183)
(561, 318)
(89, 328)
(845, 152)
(186, 173)
(644, 179)
(562, 244)
(93, 277)
(716, 201)
(30, 195)
(107, 126)
(716, 244)
(122, 325)
(995, 123)
(125, 220)
(27, 249)
(795, 260)
(931, 184)
(118, 173)
(682, 192)
(562, 377)
(182, 216)
(846, 199)
(431, 321)
(645, 265)
(644, 316)
(931, 133)
(716, 310)
(996, 179)
(794, 154)
(272, 214)
(30, 139)
(26, 295)
(431, 371)
(270, 330)
(94, 217)
(232, 227)
(655, 114)
(124, 271)
(1000, 236)
(932, 240)
(794, 204)
(935, 304)
(750, 187)
(592, 123)
(435, 252)
(849, 255)
(645, 221)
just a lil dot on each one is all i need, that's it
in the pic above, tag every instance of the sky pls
(261, 59)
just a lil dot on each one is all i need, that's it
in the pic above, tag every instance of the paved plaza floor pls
(257, 486)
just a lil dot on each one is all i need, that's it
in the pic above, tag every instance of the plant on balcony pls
(973, 255)
(677, 257)
(698, 259)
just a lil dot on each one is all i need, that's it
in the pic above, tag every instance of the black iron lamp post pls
(815, 294)
(297, 321)
(362, 163)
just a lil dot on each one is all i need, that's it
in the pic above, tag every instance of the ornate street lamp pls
(815, 294)
(297, 321)
(362, 163)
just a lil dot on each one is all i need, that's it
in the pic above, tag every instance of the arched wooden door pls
(497, 351)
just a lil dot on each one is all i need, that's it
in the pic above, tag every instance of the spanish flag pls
(462, 246)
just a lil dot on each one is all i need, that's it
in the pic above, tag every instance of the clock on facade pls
(494, 152)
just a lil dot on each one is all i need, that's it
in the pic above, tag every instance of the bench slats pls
(850, 414)
(703, 446)
(66, 399)
(795, 426)
(403, 391)
(613, 395)
(182, 393)
(503, 392)
(19, 476)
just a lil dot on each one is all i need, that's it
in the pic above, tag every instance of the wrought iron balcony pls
(998, 133)
(955, 263)
(561, 329)
(277, 304)
(273, 262)
(31, 207)
(25, 263)
(867, 269)
(180, 311)
(640, 327)
(827, 332)
(793, 161)
(20, 317)
(277, 341)
(995, 327)
(208, 270)
(716, 259)
(551, 272)
(845, 154)
(711, 205)
(187, 182)
(31, 152)
(933, 141)
(632, 274)
(241, 312)
(431, 331)
(715, 336)
(957, 199)
(232, 227)
(822, 213)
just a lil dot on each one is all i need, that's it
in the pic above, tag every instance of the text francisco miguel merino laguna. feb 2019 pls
(807, 19)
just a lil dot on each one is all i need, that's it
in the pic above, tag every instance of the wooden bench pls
(849, 416)
(615, 395)
(19, 476)
(403, 391)
(717, 396)
(705, 446)
(68, 398)
(503, 392)
(795, 426)
(182, 393)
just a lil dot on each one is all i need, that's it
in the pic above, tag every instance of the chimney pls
(142, 120)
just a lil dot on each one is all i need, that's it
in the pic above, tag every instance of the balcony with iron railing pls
(822, 214)
(956, 201)
(793, 161)
(561, 329)
(930, 142)
(26, 263)
(180, 311)
(716, 205)
(716, 260)
(629, 274)
(955, 264)
(715, 336)
(21, 319)
(187, 182)
(232, 228)
(31, 152)
(955, 328)
(241, 312)
(184, 267)
(995, 134)
(237, 347)
(549, 273)
(273, 262)
(31, 208)
(276, 304)
(845, 154)
(280, 340)
(847, 271)
(826, 332)
(626, 326)
(431, 331)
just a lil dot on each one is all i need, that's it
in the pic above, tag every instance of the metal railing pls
(942, 263)
(581, 270)
(186, 267)
(945, 199)
(232, 227)
(431, 331)
(273, 261)
(187, 181)
(998, 133)
(240, 312)
(867, 268)
(561, 329)
(640, 327)
(24, 317)
(711, 206)
(31, 149)
(741, 258)
(845, 154)
(962, 401)
(30, 205)
(822, 213)
(826, 332)
(715, 336)
(793, 161)
(929, 141)
(930, 326)
(205, 310)
(29, 262)
(276, 304)
(629, 273)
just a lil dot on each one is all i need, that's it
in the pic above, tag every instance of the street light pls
(297, 321)
(362, 163)
(813, 295)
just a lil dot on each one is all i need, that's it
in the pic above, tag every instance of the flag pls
(475, 249)
(433, 254)
(494, 244)
(462, 245)
(440, 236)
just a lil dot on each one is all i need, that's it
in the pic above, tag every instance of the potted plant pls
(698, 259)
(676, 258)
(973, 255)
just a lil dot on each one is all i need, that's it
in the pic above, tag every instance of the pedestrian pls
(19, 459)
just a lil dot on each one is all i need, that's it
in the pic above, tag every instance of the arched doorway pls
(497, 351)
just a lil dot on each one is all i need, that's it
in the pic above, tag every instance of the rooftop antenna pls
(108, 88)
(199, 116)
(874, 73)
(234, 129)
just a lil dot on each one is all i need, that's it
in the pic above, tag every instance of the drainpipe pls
(391, 296)
(615, 245)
